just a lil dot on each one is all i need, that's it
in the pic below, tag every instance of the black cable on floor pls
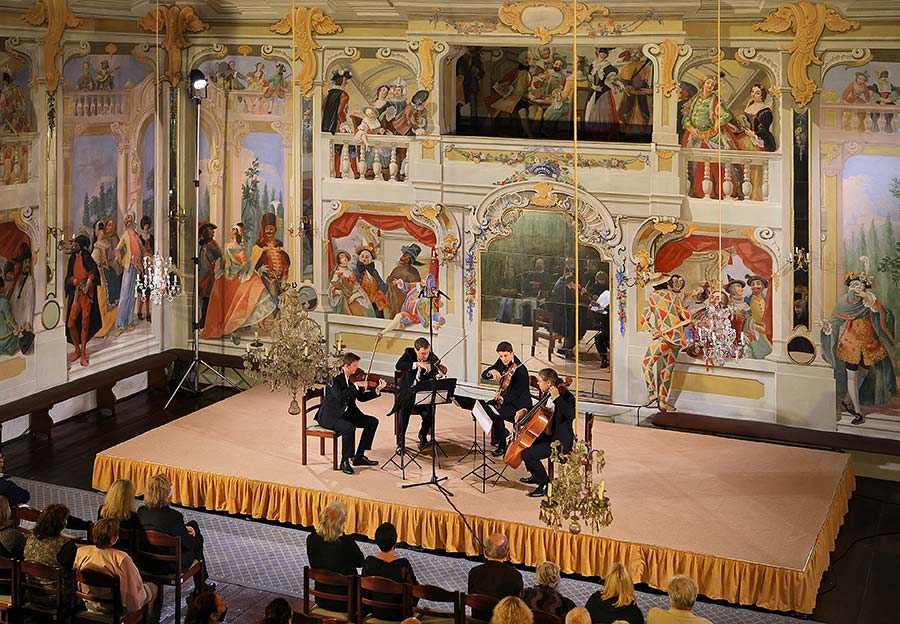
(834, 583)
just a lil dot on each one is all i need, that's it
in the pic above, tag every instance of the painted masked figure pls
(82, 312)
(370, 281)
(405, 270)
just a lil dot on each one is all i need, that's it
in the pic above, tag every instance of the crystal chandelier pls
(573, 496)
(299, 357)
(715, 338)
(159, 280)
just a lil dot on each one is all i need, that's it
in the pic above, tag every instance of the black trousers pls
(533, 458)
(346, 427)
(499, 418)
(404, 413)
(197, 552)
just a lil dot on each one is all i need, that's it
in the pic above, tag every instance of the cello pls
(529, 428)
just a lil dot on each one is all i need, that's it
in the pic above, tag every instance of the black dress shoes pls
(362, 460)
(423, 442)
(500, 451)
(345, 467)
(538, 492)
(529, 480)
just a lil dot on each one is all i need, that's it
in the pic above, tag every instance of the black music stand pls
(433, 392)
(401, 454)
(484, 471)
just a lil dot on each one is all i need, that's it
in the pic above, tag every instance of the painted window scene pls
(863, 100)
(17, 291)
(17, 121)
(530, 93)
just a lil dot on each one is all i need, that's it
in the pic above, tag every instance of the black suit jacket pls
(406, 372)
(15, 494)
(340, 398)
(171, 522)
(494, 578)
(561, 427)
(517, 393)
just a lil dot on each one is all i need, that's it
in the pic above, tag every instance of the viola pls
(369, 381)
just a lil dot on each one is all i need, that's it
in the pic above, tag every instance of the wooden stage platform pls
(753, 523)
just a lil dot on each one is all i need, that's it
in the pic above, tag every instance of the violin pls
(505, 380)
(439, 369)
(369, 381)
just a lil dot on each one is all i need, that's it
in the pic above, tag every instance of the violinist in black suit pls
(340, 413)
(514, 394)
(562, 403)
(417, 364)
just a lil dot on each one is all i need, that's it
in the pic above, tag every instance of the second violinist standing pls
(513, 395)
(561, 407)
(418, 363)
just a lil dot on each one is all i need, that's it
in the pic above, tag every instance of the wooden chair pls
(9, 590)
(307, 408)
(327, 577)
(479, 603)
(128, 542)
(303, 618)
(432, 594)
(30, 514)
(543, 617)
(94, 586)
(368, 586)
(542, 327)
(37, 581)
(158, 551)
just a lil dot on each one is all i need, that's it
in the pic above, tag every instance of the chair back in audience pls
(129, 542)
(302, 618)
(41, 590)
(9, 591)
(543, 617)
(433, 594)
(479, 604)
(158, 552)
(30, 515)
(327, 577)
(369, 586)
(95, 586)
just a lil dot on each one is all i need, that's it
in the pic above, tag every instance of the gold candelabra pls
(299, 356)
(573, 496)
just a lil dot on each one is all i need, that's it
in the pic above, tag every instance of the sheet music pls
(482, 418)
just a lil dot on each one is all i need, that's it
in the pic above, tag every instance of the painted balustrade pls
(862, 118)
(741, 175)
(378, 158)
(97, 104)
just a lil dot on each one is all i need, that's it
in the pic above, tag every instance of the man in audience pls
(578, 615)
(495, 577)
(682, 596)
(15, 494)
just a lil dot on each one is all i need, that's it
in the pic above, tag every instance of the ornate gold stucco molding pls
(425, 49)
(304, 23)
(546, 18)
(808, 21)
(58, 17)
(176, 22)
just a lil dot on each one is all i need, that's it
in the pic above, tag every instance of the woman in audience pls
(388, 565)
(512, 610)
(119, 504)
(49, 546)
(207, 608)
(616, 600)
(682, 596)
(279, 611)
(329, 549)
(156, 515)
(579, 615)
(12, 541)
(545, 595)
(102, 557)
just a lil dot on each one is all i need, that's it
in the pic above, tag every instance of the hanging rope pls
(575, 197)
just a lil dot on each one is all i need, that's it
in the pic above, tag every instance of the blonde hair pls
(618, 584)
(156, 494)
(331, 521)
(512, 610)
(6, 517)
(578, 615)
(119, 501)
(547, 574)
(682, 592)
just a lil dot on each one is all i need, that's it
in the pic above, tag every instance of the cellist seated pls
(562, 404)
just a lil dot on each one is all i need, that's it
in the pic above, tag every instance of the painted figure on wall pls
(130, 256)
(210, 256)
(16, 292)
(758, 118)
(637, 82)
(146, 237)
(469, 73)
(407, 272)
(15, 113)
(238, 299)
(345, 294)
(666, 316)
(86, 79)
(707, 126)
(335, 118)
(857, 92)
(856, 342)
(110, 285)
(884, 93)
(510, 92)
(105, 79)
(82, 310)
(760, 346)
(418, 308)
(269, 259)
(370, 280)
(601, 118)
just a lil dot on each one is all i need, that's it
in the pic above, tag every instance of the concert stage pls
(754, 523)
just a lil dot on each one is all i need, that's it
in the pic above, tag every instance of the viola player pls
(340, 413)
(512, 396)
(560, 428)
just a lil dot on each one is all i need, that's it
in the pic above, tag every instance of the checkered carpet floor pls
(271, 558)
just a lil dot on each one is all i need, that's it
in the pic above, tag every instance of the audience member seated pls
(495, 577)
(156, 515)
(388, 565)
(411, 620)
(12, 541)
(682, 596)
(279, 611)
(616, 600)
(207, 607)
(119, 505)
(49, 546)
(512, 610)
(328, 548)
(545, 595)
(102, 557)
(578, 615)
(15, 494)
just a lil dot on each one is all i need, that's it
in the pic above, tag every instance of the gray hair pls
(496, 546)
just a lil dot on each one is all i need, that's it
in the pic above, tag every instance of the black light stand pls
(196, 83)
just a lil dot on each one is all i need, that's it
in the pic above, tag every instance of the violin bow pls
(371, 361)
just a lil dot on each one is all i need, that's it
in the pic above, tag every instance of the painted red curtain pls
(755, 258)
(343, 226)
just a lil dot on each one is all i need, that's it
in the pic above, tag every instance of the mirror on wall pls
(801, 350)
(529, 297)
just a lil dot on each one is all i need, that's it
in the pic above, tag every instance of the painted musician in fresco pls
(269, 258)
